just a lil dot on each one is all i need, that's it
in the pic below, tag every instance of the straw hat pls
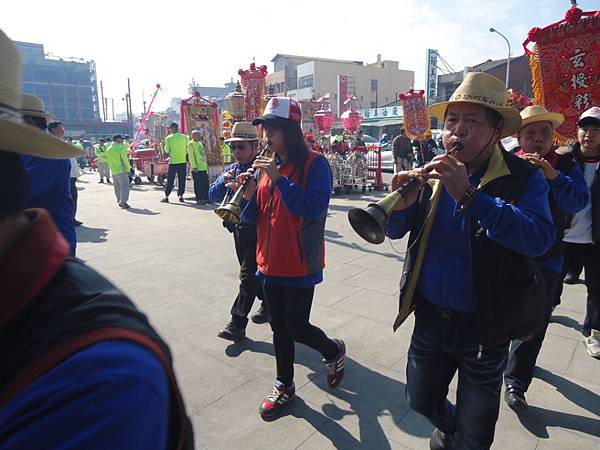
(480, 88)
(242, 131)
(538, 113)
(33, 106)
(16, 136)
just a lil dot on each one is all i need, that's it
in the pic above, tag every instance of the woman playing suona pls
(293, 192)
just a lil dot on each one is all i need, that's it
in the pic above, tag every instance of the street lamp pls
(493, 30)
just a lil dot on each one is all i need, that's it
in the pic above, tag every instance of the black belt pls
(445, 314)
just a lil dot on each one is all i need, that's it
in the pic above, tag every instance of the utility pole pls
(129, 110)
(103, 101)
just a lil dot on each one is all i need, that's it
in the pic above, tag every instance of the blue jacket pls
(50, 188)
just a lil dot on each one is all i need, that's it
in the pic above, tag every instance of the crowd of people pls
(492, 236)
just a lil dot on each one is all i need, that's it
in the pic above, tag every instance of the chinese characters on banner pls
(565, 67)
(432, 57)
(254, 86)
(416, 117)
(200, 114)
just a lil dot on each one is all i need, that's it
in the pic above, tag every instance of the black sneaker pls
(514, 397)
(335, 367)
(232, 333)
(440, 440)
(181, 200)
(280, 396)
(261, 316)
(164, 200)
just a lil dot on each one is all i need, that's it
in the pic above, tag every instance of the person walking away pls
(292, 197)
(176, 147)
(568, 194)
(103, 170)
(403, 152)
(243, 142)
(469, 274)
(199, 167)
(49, 184)
(118, 163)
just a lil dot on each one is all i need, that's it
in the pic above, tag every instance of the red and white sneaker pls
(335, 367)
(276, 400)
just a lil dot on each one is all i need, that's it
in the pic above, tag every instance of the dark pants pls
(573, 262)
(200, 184)
(289, 308)
(444, 342)
(178, 169)
(591, 264)
(74, 195)
(244, 236)
(523, 354)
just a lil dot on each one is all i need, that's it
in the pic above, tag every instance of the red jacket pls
(288, 245)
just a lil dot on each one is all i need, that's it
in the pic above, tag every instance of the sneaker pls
(571, 278)
(126, 205)
(101, 181)
(123, 205)
(261, 316)
(592, 342)
(164, 200)
(440, 440)
(280, 396)
(514, 397)
(108, 180)
(232, 333)
(335, 367)
(181, 200)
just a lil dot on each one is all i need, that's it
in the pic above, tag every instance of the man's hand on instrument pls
(451, 172)
(534, 158)
(269, 166)
(229, 176)
(251, 183)
(401, 178)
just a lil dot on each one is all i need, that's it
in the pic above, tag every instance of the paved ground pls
(177, 262)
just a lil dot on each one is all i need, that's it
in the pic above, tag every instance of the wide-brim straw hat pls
(33, 106)
(243, 131)
(480, 88)
(16, 136)
(538, 113)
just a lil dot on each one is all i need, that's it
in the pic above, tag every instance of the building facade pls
(67, 85)
(375, 85)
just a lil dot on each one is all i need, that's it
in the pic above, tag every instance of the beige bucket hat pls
(33, 106)
(480, 88)
(243, 131)
(539, 113)
(16, 136)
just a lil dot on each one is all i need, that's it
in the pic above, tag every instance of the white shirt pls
(75, 169)
(581, 225)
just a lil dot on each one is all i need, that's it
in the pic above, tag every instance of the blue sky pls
(170, 41)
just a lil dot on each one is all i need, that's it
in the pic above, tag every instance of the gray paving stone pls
(178, 264)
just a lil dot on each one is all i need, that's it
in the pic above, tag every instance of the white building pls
(375, 85)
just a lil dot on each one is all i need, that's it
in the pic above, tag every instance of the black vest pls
(79, 308)
(508, 286)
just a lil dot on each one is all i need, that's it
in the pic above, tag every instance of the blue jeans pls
(444, 342)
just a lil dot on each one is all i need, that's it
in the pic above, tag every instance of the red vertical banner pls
(254, 88)
(565, 67)
(415, 114)
(342, 93)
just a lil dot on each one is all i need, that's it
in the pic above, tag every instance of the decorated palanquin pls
(201, 114)
(416, 117)
(565, 67)
(254, 88)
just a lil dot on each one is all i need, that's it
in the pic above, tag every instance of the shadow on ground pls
(537, 420)
(370, 395)
(94, 235)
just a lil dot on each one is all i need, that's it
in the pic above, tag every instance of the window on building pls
(374, 97)
(306, 81)
(351, 85)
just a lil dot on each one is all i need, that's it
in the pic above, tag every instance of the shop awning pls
(382, 122)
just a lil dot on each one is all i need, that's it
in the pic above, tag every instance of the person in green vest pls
(197, 158)
(100, 150)
(225, 151)
(118, 162)
(176, 147)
